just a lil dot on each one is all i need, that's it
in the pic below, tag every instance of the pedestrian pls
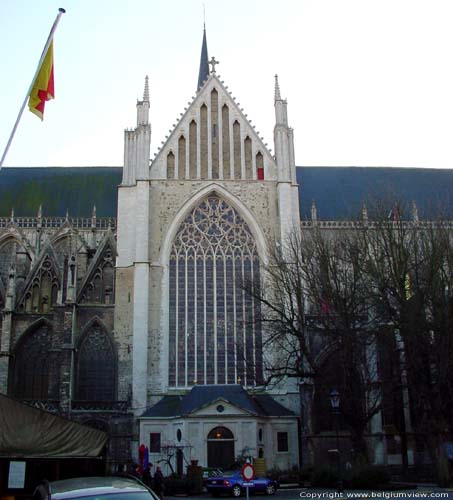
(159, 483)
(146, 475)
(42, 491)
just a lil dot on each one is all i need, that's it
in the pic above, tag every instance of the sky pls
(368, 82)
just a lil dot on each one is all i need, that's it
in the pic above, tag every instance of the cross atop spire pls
(213, 63)
(146, 91)
(203, 73)
(277, 96)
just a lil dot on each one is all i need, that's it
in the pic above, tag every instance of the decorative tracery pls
(100, 287)
(95, 366)
(41, 293)
(33, 366)
(214, 338)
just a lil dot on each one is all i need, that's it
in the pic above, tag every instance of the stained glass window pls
(214, 338)
(32, 365)
(95, 367)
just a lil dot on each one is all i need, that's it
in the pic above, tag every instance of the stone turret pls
(283, 138)
(137, 144)
(286, 167)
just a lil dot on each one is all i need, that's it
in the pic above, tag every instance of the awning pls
(29, 432)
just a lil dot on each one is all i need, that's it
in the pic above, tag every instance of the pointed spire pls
(281, 112)
(203, 73)
(277, 96)
(146, 91)
(40, 212)
(12, 214)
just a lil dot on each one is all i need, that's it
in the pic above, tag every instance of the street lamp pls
(335, 404)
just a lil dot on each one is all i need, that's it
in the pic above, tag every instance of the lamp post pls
(335, 404)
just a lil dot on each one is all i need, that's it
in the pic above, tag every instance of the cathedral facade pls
(193, 228)
(137, 322)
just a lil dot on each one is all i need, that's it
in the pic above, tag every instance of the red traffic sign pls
(248, 472)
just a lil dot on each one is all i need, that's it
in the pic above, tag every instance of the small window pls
(154, 442)
(282, 441)
(260, 435)
(179, 435)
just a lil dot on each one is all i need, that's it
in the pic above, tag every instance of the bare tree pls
(315, 301)
(409, 271)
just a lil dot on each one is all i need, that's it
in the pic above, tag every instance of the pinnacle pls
(277, 89)
(146, 91)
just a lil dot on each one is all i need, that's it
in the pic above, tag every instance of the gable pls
(98, 284)
(41, 287)
(213, 140)
(220, 408)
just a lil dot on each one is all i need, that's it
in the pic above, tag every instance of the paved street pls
(319, 494)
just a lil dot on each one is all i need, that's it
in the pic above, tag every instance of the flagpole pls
(61, 11)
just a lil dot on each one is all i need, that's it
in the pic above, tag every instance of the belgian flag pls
(43, 87)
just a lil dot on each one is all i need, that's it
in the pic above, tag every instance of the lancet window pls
(214, 335)
(95, 366)
(32, 365)
(217, 144)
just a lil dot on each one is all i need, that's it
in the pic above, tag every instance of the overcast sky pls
(368, 82)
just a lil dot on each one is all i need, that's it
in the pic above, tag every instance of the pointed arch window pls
(95, 366)
(32, 365)
(214, 337)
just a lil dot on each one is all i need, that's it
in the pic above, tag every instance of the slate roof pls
(201, 396)
(337, 191)
(58, 189)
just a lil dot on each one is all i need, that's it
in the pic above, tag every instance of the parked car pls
(94, 488)
(210, 472)
(232, 483)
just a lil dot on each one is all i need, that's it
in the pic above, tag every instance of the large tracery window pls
(214, 336)
(32, 365)
(95, 367)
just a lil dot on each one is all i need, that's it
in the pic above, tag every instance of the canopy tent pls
(28, 432)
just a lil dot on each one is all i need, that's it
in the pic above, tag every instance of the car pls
(94, 488)
(233, 484)
(210, 472)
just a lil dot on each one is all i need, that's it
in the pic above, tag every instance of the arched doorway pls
(220, 448)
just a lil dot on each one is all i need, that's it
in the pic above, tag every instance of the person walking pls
(159, 483)
(146, 475)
